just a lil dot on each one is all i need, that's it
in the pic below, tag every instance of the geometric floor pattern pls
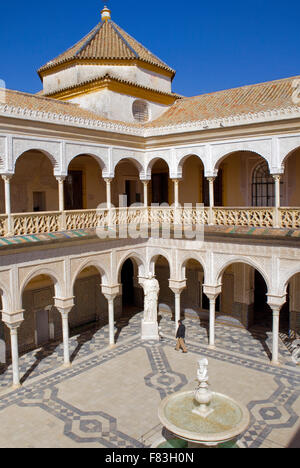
(109, 397)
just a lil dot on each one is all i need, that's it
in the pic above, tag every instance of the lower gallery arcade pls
(50, 294)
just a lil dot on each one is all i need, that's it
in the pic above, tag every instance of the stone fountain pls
(203, 418)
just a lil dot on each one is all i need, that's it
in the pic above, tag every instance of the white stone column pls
(7, 178)
(275, 336)
(110, 293)
(15, 354)
(177, 286)
(61, 201)
(277, 178)
(211, 191)
(108, 192)
(275, 302)
(64, 306)
(145, 184)
(176, 192)
(13, 321)
(212, 292)
(211, 198)
(61, 197)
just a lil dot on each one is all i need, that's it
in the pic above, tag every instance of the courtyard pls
(108, 398)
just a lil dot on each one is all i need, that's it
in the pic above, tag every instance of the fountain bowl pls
(227, 419)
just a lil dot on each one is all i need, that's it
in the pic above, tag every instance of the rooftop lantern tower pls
(110, 73)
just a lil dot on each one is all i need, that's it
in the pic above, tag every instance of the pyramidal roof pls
(107, 41)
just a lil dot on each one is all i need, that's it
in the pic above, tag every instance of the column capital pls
(108, 180)
(111, 292)
(13, 319)
(6, 177)
(212, 292)
(60, 178)
(177, 286)
(276, 302)
(64, 304)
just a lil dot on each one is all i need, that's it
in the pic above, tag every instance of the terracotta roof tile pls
(252, 98)
(105, 42)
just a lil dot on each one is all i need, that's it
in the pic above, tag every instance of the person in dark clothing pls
(180, 335)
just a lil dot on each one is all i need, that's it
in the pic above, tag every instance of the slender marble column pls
(65, 329)
(145, 184)
(108, 193)
(275, 332)
(15, 353)
(7, 179)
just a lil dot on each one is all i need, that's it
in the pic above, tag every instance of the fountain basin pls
(226, 420)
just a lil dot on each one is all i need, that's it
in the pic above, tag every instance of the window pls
(140, 111)
(263, 188)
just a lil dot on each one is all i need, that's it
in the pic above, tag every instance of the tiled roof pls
(107, 41)
(270, 96)
(34, 102)
(247, 99)
(108, 77)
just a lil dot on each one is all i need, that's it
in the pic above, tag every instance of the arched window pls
(140, 111)
(263, 187)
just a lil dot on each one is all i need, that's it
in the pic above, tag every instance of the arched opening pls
(290, 311)
(243, 299)
(84, 187)
(166, 296)
(194, 303)
(290, 190)
(127, 280)
(263, 188)
(42, 321)
(236, 187)
(132, 291)
(161, 189)
(191, 187)
(33, 186)
(90, 305)
(126, 187)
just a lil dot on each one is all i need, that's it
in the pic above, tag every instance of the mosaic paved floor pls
(109, 397)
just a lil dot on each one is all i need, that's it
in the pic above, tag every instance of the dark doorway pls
(160, 189)
(42, 327)
(262, 312)
(284, 316)
(127, 283)
(131, 192)
(218, 190)
(73, 191)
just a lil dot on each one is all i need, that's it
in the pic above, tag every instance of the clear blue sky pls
(213, 45)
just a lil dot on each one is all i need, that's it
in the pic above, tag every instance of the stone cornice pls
(286, 113)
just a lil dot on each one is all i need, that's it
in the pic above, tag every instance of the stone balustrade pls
(47, 222)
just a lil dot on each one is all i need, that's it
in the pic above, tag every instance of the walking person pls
(180, 335)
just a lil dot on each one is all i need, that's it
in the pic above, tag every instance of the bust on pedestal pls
(149, 322)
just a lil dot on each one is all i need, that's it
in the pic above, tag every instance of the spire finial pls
(105, 14)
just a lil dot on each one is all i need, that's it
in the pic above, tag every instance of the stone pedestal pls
(149, 330)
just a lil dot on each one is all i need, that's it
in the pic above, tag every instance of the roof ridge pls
(123, 38)
(263, 83)
(96, 30)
